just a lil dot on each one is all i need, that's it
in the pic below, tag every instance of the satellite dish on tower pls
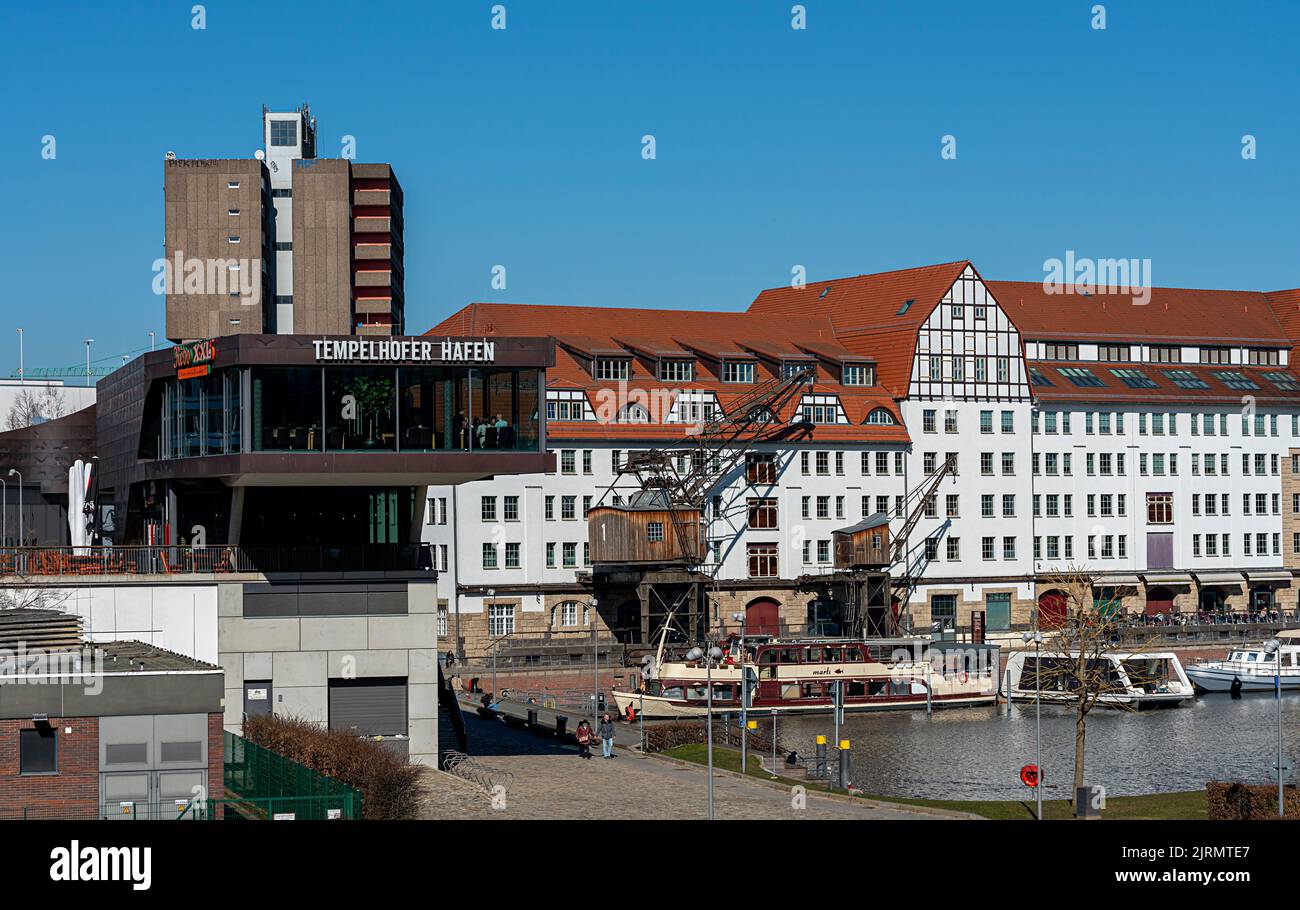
(170, 156)
(259, 154)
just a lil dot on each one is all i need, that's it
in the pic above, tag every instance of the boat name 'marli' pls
(406, 350)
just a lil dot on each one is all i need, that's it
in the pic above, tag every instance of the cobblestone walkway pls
(550, 781)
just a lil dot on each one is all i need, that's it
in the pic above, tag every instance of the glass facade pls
(200, 416)
(351, 409)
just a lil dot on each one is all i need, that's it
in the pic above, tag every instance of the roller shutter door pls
(368, 707)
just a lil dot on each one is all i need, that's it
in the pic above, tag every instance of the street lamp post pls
(708, 656)
(492, 603)
(595, 654)
(151, 341)
(12, 473)
(22, 374)
(744, 695)
(4, 513)
(88, 342)
(1037, 639)
(1274, 647)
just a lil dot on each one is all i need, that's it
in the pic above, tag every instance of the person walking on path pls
(584, 737)
(607, 736)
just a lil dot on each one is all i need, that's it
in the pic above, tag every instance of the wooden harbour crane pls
(874, 576)
(649, 549)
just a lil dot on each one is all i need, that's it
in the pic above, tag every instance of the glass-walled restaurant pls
(349, 409)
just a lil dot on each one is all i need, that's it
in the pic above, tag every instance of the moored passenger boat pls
(799, 676)
(1253, 668)
(1141, 680)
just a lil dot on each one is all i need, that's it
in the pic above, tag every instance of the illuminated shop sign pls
(195, 358)
(403, 350)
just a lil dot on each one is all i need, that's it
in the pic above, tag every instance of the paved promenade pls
(550, 781)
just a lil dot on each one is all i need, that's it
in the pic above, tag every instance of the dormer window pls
(737, 371)
(1114, 352)
(1264, 357)
(821, 409)
(790, 367)
(881, 417)
(567, 405)
(676, 370)
(612, 369)
(859, 374)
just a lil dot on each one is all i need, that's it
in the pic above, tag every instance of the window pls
(954, 549)
(566, 405)
(284, 132)
(676, 370)
(654, 531)
(489, 556)
(1235, 379)
(790, 368)
(501, 619)
(880, 417)
(568, 461)
(1058, 350)
(1215, 355)
(1004, 369)
(762, 560)
(282, 193)
(737, 371)
(489, 508)
(760, 468)
(1008, 422)
(232, 185)
(610, 368)
(1160, 508)
(1038, 377)
(1008, 462)
(512, 556)
(1081, 377)
(1134, 379)
(928, 421)
(1263, 357)
(1113, 352)
(568, 507)
(1284, 381)
(570, 555)
(762, 513)
(38, 751)
(988, 548)
(1166, 354)
(820, 409)
(986, 421)
(1008, 548)
(857, 374)
(586, 461)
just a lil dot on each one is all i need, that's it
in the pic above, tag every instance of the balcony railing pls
(74, 561)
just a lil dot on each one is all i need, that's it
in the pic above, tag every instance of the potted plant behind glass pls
(372, 395)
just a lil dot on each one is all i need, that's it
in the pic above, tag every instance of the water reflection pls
(976, 753)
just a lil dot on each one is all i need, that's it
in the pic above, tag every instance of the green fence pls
(260, 783)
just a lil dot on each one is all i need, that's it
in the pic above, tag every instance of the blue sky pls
(775, 147)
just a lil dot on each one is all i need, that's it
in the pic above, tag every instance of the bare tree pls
(1079, 643)
(13, 597)
(36, 404)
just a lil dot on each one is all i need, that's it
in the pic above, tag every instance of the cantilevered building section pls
(1156, 444)
(283, 242)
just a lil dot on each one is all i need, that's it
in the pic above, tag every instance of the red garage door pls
(1051, 609)
(763, 617)
(1160, 600)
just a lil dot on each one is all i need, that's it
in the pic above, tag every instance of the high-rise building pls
(284, 242)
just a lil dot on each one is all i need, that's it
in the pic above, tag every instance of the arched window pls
(634, 413)
(881, 417)
(566, 615)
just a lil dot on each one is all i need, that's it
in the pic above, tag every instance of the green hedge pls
(389, 785)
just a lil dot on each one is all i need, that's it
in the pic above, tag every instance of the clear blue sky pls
(775, 147)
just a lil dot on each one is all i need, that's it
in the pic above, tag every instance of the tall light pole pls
(12, 473)
(22, 374)
(151, 341)
(1274, 647)
(4, 513)
(744, 694)
(711, 655)
(88, 342)
(1037, 638)
(595, 654)
(492, 603)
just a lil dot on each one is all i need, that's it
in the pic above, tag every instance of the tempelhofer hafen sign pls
(403, 350)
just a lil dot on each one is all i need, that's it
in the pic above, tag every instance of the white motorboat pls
(1253, 667)
(1141, 680)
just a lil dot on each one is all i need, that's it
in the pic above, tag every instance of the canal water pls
(977, 752)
